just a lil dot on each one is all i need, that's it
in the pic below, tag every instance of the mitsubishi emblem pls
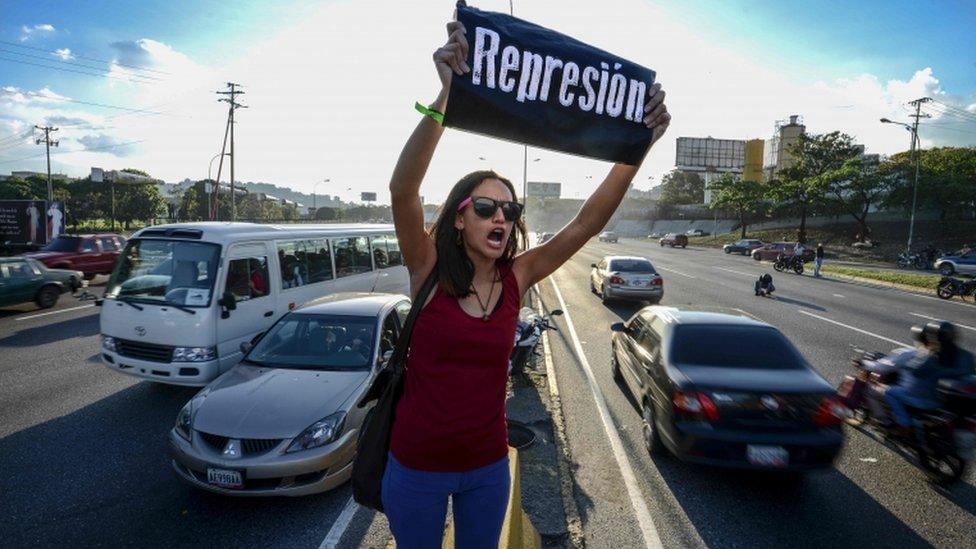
(140, 331)
(770, 402)
(233, 448)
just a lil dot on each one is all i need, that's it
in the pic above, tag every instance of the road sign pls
(539, 189)
(368, 197)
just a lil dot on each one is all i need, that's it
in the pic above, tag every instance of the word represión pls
(602, 93)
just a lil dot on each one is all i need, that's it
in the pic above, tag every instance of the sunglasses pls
(485, 207)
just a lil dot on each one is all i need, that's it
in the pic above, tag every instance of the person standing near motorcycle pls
(818, 262)
(918, 378)
(449, 433)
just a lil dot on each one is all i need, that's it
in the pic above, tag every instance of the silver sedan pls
(626, 277)
(285, 421)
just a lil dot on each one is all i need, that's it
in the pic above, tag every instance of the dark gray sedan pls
(285, 421)
(626, 277)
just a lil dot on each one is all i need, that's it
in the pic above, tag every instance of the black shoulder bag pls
(374, 445)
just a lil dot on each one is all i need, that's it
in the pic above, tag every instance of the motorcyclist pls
(919, 371)
(764, 286)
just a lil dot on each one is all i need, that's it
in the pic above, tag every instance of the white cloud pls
(27, 31)
(64, 53)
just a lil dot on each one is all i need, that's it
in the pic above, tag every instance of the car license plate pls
(640, 283)
(767, 456)
(225, 478)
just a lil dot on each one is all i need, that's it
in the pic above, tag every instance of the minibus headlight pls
(194, 354)
(108, 343)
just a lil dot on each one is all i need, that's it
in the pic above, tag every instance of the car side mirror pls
(246, 347)
(556, 312)
(593, 265)
(99, 302)
(227, 303)
(617, 327)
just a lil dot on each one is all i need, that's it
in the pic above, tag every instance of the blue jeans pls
(415, 503)
(817, 263)
(897, 397)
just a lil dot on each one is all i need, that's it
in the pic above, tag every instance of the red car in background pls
(769, 252)
(92, 254)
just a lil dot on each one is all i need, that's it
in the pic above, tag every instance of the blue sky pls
(331, 84)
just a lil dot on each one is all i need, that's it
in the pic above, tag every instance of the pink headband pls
(464, 203)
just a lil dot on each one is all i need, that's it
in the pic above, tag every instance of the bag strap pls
(403, 343)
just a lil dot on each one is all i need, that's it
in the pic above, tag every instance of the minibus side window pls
(351, 256)
(378, 244)
(247, 277)
(393, 256)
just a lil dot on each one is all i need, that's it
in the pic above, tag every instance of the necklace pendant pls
(485, 317)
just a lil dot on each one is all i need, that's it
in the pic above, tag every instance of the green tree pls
(15, 188)
(682, 188)
(801, 187)
(745, 197)
(327, 214)
(139, 201)
(946, 182)
(853, 188)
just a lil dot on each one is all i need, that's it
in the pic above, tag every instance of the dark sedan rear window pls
(631, 266)
(734, 347)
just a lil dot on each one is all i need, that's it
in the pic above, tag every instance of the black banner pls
(23, 222)
(536, 86)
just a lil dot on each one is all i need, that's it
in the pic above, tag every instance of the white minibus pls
(183, 297)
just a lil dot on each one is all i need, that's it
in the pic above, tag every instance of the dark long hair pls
(454, 268)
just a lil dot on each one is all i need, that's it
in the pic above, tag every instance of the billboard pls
(539, 189)
(368, 197)
(24, 221)
(706, 154)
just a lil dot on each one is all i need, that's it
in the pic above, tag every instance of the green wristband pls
(436, 116)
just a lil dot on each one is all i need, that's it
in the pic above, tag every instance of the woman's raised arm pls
(418, 249)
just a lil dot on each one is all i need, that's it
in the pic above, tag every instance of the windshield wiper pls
(129, 303)
(180, 307)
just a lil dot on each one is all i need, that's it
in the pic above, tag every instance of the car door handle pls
(269, 313)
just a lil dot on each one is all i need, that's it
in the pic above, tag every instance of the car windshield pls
(165, 271)
(752, 347)
(62, 244)
(317, 342)
(631, 266)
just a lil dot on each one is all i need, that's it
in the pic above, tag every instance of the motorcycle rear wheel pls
(943, 469)
(945, 290)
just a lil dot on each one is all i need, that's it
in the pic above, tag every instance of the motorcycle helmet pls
(939, 331)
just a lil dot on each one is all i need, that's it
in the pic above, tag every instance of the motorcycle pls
(788, 262)
(943, 441)
(528, 331)
(915, 261)
(949, 287)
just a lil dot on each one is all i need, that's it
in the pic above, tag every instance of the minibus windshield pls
(165, 271)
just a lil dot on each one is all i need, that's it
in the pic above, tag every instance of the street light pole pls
(210, 178)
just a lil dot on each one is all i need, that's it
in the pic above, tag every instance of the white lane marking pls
(28, 317)
(838, 295)
(735, 271)
(939, 299)
(675, 272)
(651, 537)
(856, 329)
(332, 539)
(933, 318)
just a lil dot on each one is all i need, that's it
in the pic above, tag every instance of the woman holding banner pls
(449, 434)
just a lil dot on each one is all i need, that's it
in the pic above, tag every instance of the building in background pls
(777, 149)
(710, 158)
(753, 169)
(539, 189)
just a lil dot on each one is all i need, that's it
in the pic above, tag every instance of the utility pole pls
(916, 153)
(47, 143)
(234, 105)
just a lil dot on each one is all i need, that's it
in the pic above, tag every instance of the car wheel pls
(946, 269)
(615, 366)
(603, 294)
(652, 439)
(592, 287)
(683, 246)
(727, 251)
(90, 276)
(47, 297)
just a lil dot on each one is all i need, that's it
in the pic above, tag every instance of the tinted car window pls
(317, 342)
(734, 347)
(631, 266)
(62, 244)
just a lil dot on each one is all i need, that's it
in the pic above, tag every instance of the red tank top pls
(451, 416)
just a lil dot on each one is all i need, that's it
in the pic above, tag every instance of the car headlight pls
(320, 433)
(108, 343)
(184, 421)
(194, 354)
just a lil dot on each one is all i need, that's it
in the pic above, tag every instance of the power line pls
(137, 67)
(90, 103)
(81, 65)
(105, 75)
(86, 149)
